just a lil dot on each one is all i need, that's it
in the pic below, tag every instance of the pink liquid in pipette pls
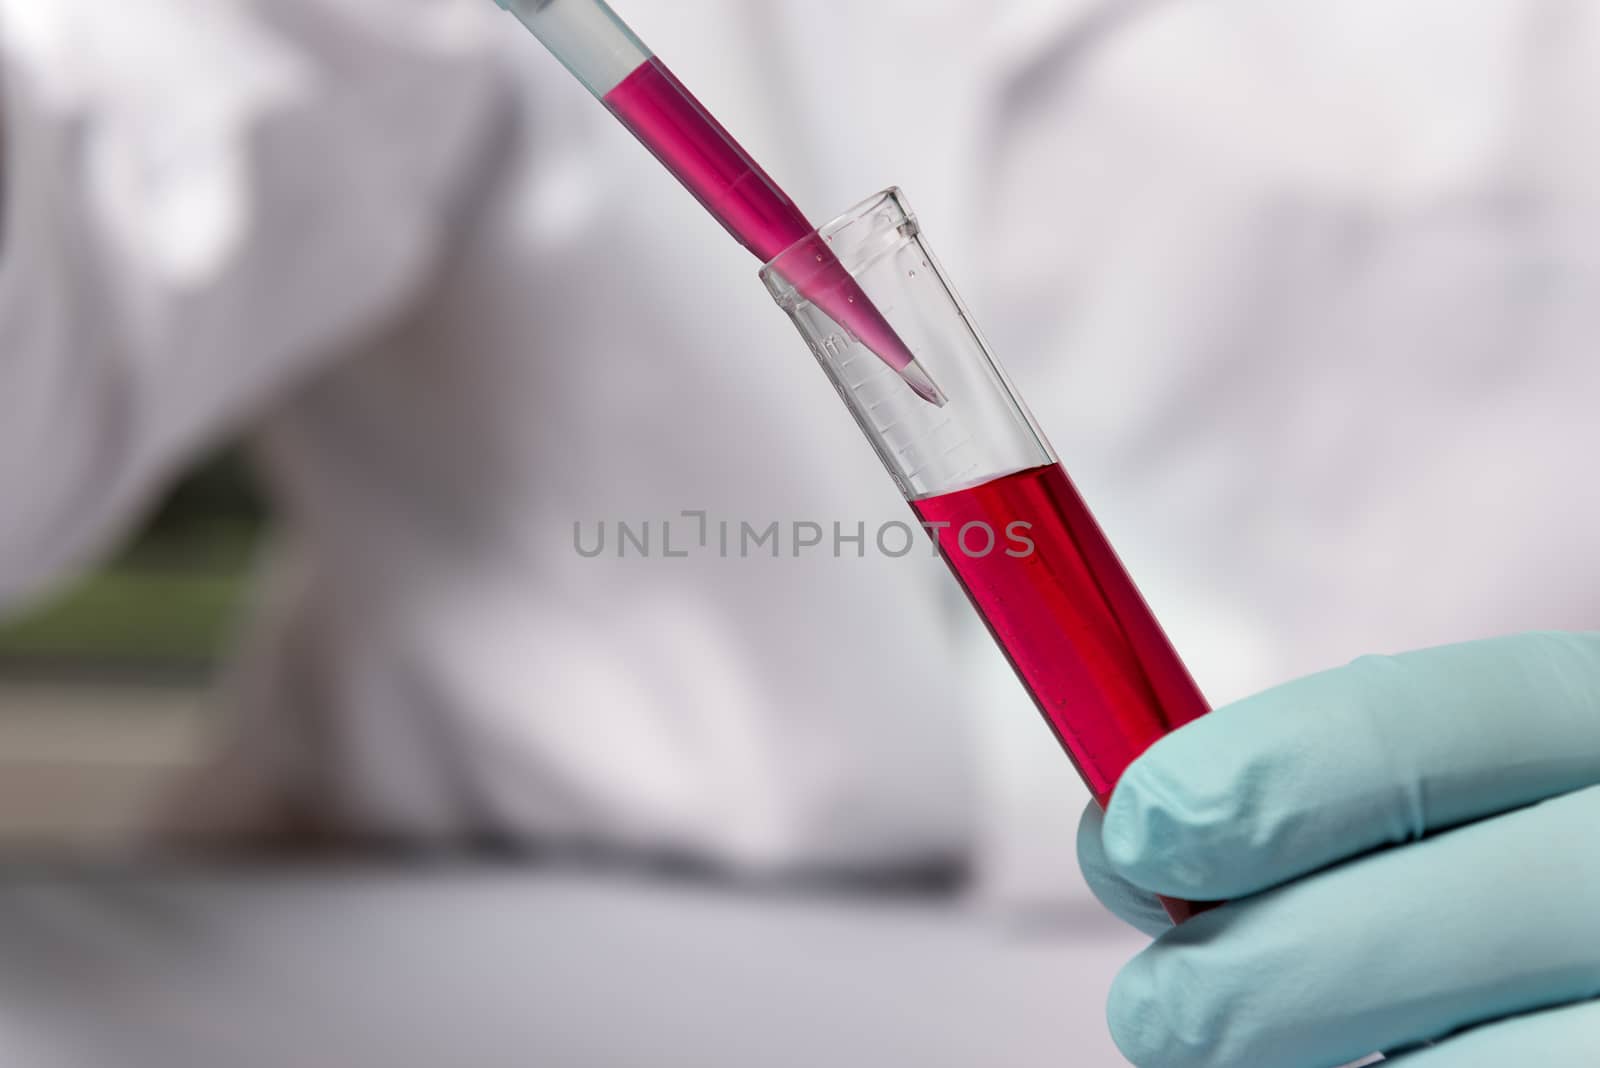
(690, 143)
(1071, 621)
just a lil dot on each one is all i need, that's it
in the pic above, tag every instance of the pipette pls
(613, 64)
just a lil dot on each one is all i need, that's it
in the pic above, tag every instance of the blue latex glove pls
(1481, 930)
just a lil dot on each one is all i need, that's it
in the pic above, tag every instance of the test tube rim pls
(771, 273)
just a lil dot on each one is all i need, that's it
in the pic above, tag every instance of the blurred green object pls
(169, 599)
(123, 614)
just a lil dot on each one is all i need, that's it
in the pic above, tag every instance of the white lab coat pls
(1306, 295)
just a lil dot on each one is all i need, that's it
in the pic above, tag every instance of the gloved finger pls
(1568, 1037)
(1381, 751)
(1387, 951)
(1133, 906)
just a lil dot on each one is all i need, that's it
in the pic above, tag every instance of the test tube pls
(983, 480)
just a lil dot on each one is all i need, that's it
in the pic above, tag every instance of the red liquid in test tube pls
(1069, 619)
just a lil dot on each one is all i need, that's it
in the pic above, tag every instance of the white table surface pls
(504, 966)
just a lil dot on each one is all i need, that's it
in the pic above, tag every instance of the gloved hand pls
(1479, 930)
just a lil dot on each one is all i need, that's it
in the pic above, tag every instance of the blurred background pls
(324, 322)
(105, 685)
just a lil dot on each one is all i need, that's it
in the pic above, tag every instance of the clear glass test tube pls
(982, 478)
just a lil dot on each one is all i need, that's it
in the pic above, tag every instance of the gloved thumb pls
(1134, 906)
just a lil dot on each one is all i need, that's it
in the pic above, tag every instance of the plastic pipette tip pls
(923, 385)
